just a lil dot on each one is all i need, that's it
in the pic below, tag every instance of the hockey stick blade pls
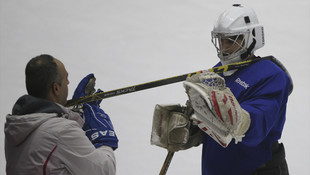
(153, 84)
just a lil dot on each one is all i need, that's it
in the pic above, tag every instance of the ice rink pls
(128, 42)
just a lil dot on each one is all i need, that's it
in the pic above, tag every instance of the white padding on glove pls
(217, 111)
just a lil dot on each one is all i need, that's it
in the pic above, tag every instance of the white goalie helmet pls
(240, 26)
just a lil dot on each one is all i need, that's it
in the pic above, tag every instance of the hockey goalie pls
(240, 113)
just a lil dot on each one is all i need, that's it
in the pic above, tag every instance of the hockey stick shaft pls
(166, 164)
(139, 87)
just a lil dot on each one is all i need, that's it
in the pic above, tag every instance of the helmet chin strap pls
(249, 50)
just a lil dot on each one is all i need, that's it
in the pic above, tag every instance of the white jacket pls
(41, 138)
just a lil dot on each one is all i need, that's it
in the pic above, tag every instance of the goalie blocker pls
(172, 128)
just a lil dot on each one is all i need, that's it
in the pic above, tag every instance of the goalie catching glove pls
(172, 128)
(216, 110)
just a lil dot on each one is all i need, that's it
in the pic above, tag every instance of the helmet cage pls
(239, 43)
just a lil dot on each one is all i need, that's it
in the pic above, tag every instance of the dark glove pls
(98, 126)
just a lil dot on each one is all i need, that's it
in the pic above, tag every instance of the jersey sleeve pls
(81, 157)
(267, 105)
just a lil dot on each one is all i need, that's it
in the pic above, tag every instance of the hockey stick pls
(139, 87)
(166, 164)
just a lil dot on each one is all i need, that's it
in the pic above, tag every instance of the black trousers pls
(277, 165)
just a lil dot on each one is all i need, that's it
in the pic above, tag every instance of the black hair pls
(41, 72)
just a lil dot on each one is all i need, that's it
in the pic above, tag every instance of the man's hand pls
(98, 126)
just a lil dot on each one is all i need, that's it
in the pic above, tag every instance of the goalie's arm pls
(265, 108)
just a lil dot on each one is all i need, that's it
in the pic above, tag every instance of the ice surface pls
(128, 42)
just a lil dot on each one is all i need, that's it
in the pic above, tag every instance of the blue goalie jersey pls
(262, 89)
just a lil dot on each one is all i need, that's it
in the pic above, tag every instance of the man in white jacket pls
(43, 137)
